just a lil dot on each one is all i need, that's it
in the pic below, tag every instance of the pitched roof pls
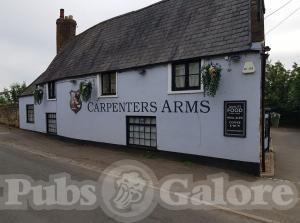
(166, 31)
(29, 90)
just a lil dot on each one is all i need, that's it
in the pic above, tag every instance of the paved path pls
(287, 153)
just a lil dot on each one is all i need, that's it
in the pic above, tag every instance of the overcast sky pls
(28, 31)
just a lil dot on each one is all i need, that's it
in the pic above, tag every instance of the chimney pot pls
(65, 30)
(62, 13)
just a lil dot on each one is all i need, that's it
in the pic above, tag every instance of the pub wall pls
(191, 133)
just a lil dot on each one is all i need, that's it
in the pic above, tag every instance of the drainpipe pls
(264, 57)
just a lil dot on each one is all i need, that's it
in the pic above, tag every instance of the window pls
(51, 123)
(30, 113)
(141, 131)
(51, 90)
(109, 84)
(186, 76)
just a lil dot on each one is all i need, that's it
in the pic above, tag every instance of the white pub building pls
(181, 76)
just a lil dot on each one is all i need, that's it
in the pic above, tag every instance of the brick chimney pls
(65, 30)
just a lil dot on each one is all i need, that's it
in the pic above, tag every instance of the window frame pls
(128, 124)
(27, 113)
(100, 85)
(47, 123)
(51, 96)
(187, 88)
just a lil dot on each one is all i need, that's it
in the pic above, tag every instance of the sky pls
(28, 31)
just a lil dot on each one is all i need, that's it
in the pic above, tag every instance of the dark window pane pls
(30, 113)
(113, 83)
(186, 76)
(109, 84)
(194, 68)
(105, 84)
(51, 123)
(180, 70)
(194, 80)
(51, 90)
(194, 74)
(142, 131)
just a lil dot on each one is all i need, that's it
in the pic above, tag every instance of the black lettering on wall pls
(90, 104)
(153, 106)
(108, 106)
(166, 107)
(115, 107)
(136, 107)
(122, 107)
(129, 106)
(96, 108)
(102, 107)
(205, 107)
(178, 106)
(191, 109)
(145, 107)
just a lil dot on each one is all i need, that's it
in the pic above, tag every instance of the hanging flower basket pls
(38, 96)
(211, 76)
(85, 90)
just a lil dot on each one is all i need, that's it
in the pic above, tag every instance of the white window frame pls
(47, 90)
(170, 76)
(99, 83)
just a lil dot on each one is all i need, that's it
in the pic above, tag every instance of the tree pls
(277, 86)
(2, 100)
(294, 93)
(11, 95)
(283, 92)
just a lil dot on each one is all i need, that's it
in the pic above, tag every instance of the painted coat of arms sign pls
(75, 101)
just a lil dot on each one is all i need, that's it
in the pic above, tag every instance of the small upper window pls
(51, 90)
(186, 76)
(109, 84)
(30, 113)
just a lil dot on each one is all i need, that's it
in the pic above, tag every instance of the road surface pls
(19, 162)
(287, 153)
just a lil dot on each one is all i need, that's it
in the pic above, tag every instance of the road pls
(38, 168)
(287, 153)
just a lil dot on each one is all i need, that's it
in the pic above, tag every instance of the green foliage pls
(294, 94)
(283, 92)
(277, 85)
(282, 87)
(2, 100)
(11, 95)
(38, 96)
(211, 76)
(85, 90)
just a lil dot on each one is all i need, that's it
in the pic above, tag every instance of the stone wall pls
(9, 115)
